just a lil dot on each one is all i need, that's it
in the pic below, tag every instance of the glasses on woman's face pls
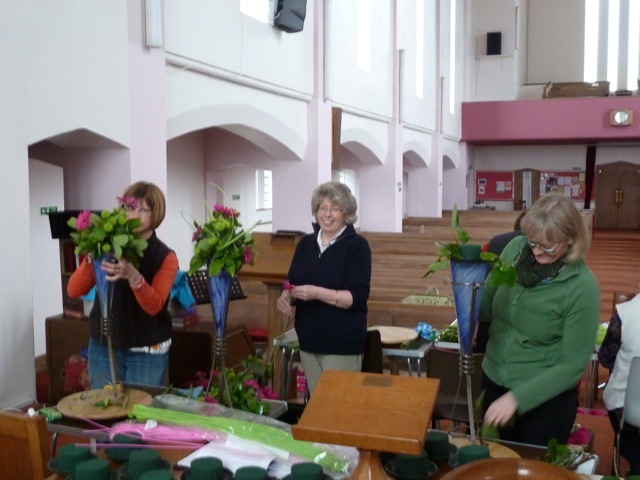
(335, 209)
(139, 211)
(543, 248)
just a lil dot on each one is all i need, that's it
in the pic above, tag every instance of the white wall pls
(77, 69)
(359, 55)
(17, 369)
(217, 34)
(185, 194)
(555, 41)
(46, 188)
(418, 71)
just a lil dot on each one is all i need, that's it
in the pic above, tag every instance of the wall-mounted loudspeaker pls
(58, 223)
(494, 43)
(289, 15)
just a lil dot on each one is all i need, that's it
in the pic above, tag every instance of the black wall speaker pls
(289, 15)
(494, 43)
(58, 223)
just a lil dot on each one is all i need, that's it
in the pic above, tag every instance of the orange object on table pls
(371, 412)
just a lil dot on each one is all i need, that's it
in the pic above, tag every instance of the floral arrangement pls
(247, 388)
(109, 233)
(568, 456)
(460, 249)
(221, 242)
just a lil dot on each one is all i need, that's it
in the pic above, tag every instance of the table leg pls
(277, 324)
(286, 364)
(369, 467)
(590, 390)
(54, 444)
(394, 368)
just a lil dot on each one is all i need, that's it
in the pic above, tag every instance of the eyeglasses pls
(543, 248)
(335, 210)
(130, 209)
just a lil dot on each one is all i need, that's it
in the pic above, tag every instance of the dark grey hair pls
(338, 194)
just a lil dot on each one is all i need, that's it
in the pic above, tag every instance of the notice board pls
(573, 184)
(494, 185)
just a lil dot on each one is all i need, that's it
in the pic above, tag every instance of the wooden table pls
(417, 353)
(371, 412)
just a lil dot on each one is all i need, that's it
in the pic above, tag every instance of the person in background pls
(495, 245)
(330, 280)
(543, 328)
(498, 242)
(620, 345)
(141, 334)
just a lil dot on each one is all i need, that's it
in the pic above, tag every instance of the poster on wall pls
(572, 184)
(494, 185)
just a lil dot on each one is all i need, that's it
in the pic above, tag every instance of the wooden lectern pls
(275, 251)
(371, 412)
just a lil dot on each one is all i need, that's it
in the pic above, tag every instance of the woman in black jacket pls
(330, 278)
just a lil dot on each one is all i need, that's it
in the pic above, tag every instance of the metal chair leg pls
(616, 454)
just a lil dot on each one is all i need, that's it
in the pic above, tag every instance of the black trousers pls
(629, 441)
(553, 419)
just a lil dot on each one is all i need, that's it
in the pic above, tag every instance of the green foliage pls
(449, 334)
(501, 273)
(448, 251)
(110, 233)
(221, 242)
(561, 455)
(247, 387)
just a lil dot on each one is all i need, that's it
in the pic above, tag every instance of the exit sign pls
(48, 210)
(235, 196)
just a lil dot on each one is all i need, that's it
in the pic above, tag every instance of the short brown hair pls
(152, 196)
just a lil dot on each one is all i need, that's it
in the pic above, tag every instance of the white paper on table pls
(232, 457)
(237, 443)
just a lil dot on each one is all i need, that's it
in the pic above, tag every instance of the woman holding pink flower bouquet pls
(328, 286)
(141, 331)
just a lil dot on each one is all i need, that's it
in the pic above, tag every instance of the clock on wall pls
(620, 117)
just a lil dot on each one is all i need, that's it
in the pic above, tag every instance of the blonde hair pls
(555, 218)
(152, 196)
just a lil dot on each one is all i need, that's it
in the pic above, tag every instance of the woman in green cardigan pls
(543, 329)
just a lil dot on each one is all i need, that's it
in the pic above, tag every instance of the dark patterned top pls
(611, 343)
